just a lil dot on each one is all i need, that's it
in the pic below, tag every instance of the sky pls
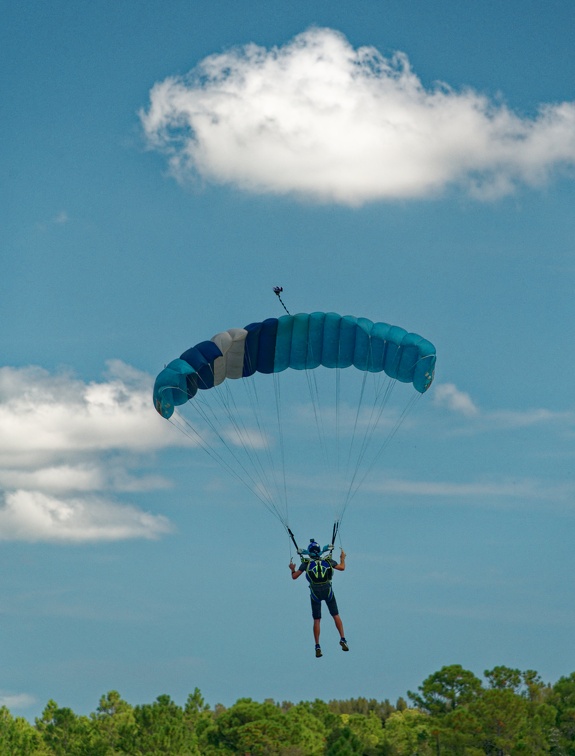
(164, 165)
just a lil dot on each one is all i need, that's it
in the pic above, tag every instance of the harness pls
(325, 550)
(318, 570)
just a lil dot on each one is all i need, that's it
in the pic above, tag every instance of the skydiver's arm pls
(341, 565)
(294, 573)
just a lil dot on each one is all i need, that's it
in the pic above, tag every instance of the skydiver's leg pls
(316, 614)
(333, 610)
(339, 625)
(316, 628)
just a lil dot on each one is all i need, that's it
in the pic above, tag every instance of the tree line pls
(452, 713)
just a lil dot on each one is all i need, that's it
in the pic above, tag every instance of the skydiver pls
(319, 573)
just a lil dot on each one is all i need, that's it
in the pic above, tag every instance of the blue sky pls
(407, 162)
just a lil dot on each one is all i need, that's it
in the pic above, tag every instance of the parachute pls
(305, 343)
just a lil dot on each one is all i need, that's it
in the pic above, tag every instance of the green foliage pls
(114, 725)
(161, 728)
(323, 712)
(444, 691)
(364, 706)
(265, 730)
(344, 742)
(65, 733)
(409, 732)
(562, 699)
(364, 733)
(513, 713)
(18, 736)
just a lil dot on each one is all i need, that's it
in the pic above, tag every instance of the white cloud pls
(95, 476)
(34, 516)
(320, 119)
(16, 700)
(247, 438)
(43, 416)
(522, 616)
(494, 490)
(448, 395)
(528, 417)
(520, 489)
(57, 478)
(65, 444)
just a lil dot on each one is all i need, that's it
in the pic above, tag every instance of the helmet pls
(314, 549)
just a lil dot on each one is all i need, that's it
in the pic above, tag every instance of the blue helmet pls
(314, 549)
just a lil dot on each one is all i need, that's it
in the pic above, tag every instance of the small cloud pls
(61, 218)
(523, 489)
(16, 700)
(320, 119)
(34, 516)
(529, 417)
(83, 477)
(448, 395)
(246, 438)
(496, 492)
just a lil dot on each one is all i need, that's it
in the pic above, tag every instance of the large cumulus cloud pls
(320, 119)
(70, 449)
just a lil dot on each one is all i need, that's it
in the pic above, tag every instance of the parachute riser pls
(291, 535)
(335, 532)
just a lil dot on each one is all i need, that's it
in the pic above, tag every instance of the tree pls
(447, 689)
(365, 706)
(504, 678)
(527, 684)
(18, 736)
(198, 719)
(512, 724)
(266, 730)
(458, 733)
(65, 733)
(161, 729)
(366, 729)
(114, 725)
(307, 733)
(562, 698)
(408, 733)
(502, 716)
(326, 713)
(344, 742)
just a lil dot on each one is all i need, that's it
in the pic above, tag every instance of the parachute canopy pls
(301, 342)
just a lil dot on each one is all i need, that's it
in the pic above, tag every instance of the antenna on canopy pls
(277, 291)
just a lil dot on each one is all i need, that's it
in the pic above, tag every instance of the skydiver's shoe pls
(318, 652)
(343, 644)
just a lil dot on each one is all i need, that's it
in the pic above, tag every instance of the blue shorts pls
(322, 592)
